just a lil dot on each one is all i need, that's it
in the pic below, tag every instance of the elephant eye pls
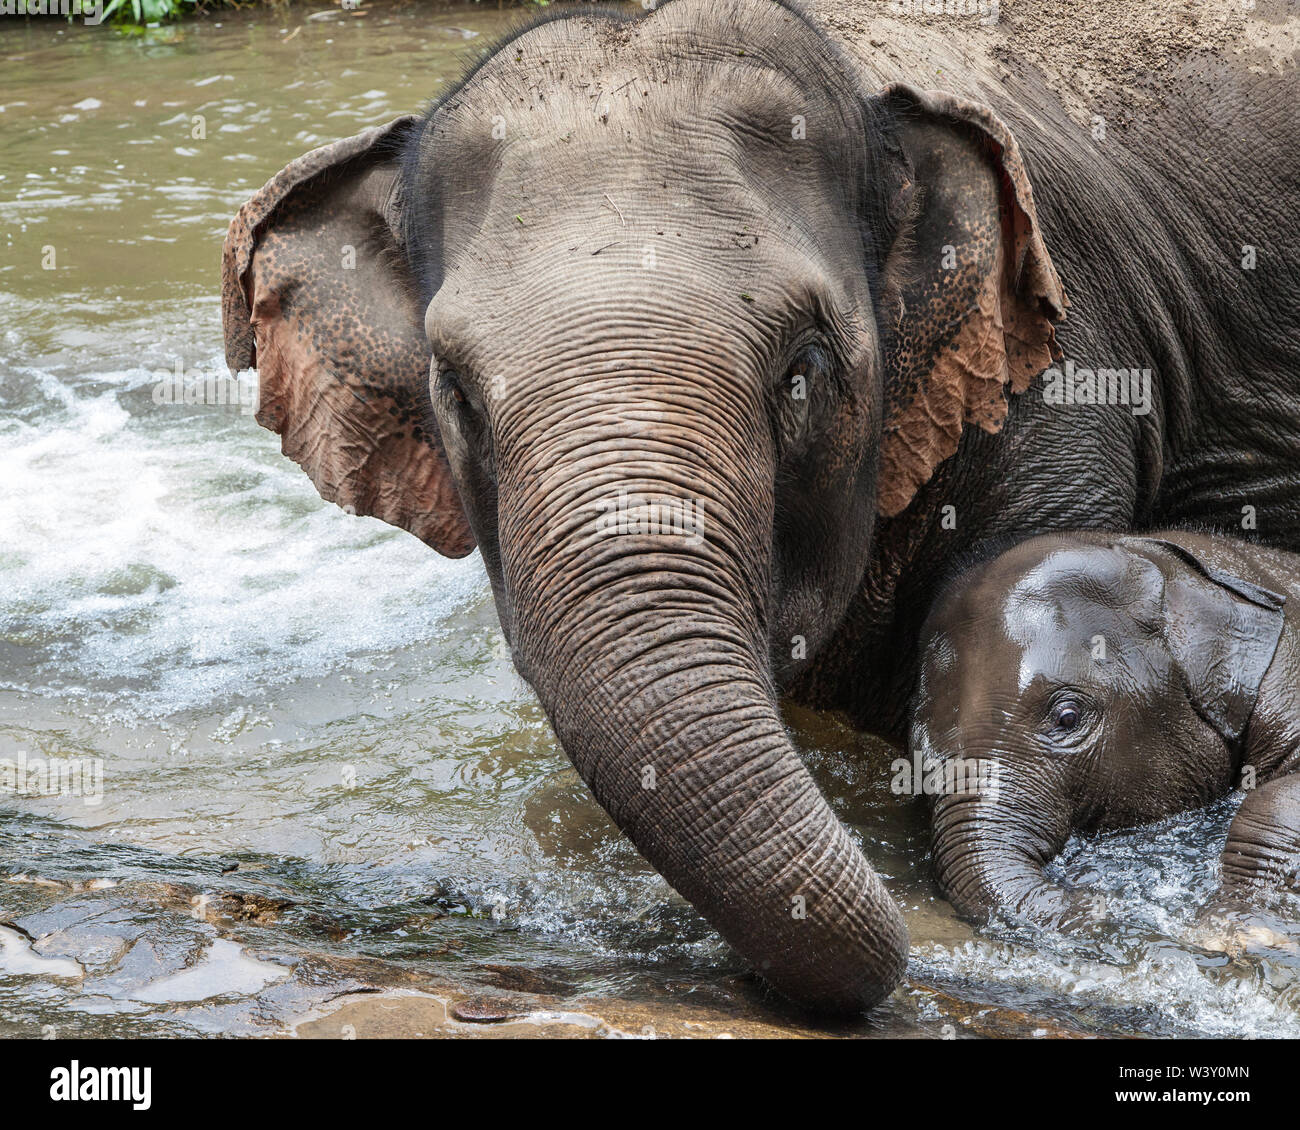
(1068, 720)
(1067, 716)
(461, 409)
(807, 372)
(804, 379)
(450, 384)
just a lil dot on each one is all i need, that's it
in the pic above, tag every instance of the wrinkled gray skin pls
(1105, 682)
(599, 265)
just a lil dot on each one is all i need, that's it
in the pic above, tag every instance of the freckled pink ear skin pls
(976, 319)
(317, 295)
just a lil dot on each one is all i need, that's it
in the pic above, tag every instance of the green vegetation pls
(119, 11)
(148, 11)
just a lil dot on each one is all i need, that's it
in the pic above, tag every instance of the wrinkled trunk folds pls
(647, 650)
(690, 759)
(989, 857)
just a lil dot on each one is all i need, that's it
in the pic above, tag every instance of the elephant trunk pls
(990, 846)
(691, 761)
(644, 638)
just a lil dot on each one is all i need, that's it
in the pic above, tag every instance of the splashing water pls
(311, 736)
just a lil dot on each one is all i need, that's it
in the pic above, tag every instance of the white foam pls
(174, 547)
(1154, 880)
(1168, 982)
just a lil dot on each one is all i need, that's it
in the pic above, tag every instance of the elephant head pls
(1098, 683)
(660, 314)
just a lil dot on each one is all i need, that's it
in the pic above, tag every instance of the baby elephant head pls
(1079, 683)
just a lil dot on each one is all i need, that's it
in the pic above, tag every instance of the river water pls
(320, 775)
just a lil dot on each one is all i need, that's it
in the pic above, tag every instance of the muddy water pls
(298, 765)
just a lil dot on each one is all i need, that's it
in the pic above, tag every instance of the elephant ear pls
(1222, 631)
(971, 317)
(317, 295)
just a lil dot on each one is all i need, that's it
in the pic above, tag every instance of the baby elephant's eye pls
(1066, 716)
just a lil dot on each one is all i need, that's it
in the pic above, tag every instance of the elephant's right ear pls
(969, 296)
(317, 295)
(1222, 631)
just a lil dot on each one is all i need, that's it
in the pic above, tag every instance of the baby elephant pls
(1085, 682)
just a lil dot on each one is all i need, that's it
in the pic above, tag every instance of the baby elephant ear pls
(317, 295)
(1222, 631)
(969, 300)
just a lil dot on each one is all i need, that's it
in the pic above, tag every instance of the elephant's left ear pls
(969, 318)
(1223, 632)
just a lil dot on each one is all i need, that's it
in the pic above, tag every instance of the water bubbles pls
(1152, 966)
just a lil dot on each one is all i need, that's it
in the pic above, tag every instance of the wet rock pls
(63, 885)
(430, 1016)
(93, 945)
(482, 1010)
(235, 951)
(95, 930)
(148, 960)
(18, 958)
(223, 969)
(232, 906)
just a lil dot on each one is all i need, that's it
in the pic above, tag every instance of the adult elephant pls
(709, 339)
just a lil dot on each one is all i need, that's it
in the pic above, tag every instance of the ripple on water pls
(321, 698)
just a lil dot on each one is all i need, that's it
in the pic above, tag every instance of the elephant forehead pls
(1059, 658)
(1082, 587)
(1074, 640)
(635, 155)
(610, 292)
(1072, 612)
(728, 45)
(569, 95)
(581, 103)
(1064, 635)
